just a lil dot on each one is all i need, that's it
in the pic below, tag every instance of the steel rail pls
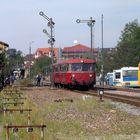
(132, 100)
(135, 90)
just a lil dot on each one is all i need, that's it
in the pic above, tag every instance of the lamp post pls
(50, 41)
(90, 23)
(102, 65)
(30, 58)
(101, 89)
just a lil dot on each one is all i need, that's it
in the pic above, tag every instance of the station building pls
(78, 51)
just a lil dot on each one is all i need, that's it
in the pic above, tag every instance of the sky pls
(21, 25)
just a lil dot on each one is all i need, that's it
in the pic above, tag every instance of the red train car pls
(75, 72)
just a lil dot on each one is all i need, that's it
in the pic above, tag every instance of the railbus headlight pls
(90, 75)
(82, 61)
(73, 75)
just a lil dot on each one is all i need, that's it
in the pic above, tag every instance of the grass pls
(80, 120)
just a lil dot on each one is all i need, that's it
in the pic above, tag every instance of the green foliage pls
(15, 59)
(3, 67)
(40, 65)
(128, 48)
(127, 51)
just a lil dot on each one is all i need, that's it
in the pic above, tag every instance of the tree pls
(40, 65)
(127, 50)
(15, 59)
(3, 62)
(128, 47)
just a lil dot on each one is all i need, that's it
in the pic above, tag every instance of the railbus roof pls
(76, 60)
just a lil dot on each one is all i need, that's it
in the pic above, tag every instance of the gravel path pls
(45, 94)
(38, 94)
(127, 108)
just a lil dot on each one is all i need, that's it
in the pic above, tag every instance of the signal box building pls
(78, 51)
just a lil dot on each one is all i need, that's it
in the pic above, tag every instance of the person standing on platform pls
(38, 79)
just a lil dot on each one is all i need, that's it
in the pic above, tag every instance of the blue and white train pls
(126, 76)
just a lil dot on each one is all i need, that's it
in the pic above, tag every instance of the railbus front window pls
(76, 67)
(82, 67)
(88, 67)
(65, 67)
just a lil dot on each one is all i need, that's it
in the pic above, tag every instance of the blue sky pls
(20, 22)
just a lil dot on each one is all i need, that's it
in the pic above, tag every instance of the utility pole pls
(101, 89)
(50, 41)
(102, 66)
(30, 58)
(90, 23)
(91, 31)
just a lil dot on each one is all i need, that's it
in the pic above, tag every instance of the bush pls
(26, 82)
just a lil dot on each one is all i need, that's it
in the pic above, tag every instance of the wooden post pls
(29, 118)
(7, 133)
(24, 126)
(42, 132)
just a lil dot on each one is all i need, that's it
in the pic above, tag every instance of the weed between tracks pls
(79, 120)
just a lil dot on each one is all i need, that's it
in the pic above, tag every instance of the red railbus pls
(75, 72)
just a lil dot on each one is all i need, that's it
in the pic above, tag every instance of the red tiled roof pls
(43, 51)
(77, 48)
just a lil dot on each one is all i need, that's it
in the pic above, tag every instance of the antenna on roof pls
(75, 42)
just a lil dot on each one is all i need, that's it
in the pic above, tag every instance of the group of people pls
(10, 80)
(6, 81)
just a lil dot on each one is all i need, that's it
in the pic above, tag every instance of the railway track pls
(109, 94)
(124, 98)
(134, 90)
